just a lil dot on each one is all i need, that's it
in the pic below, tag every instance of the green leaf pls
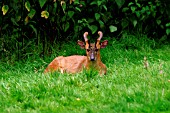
(64, 18)
(84, 20)
(93, 3)
(112, 28)
(162, 27)
(101, 24)
(138, 4)
(97, 16)
(78, 9)
(147, 8)
(77, 28)
(27, 6)
(90, 20)
(137, 14)
(124, 23)
(80, 21)
(133, 8)
(104, 6)
(14, 22)
(82, 3)
(34, 29)
(5, 26)
(135, 23)
(66, 26)
(93, 28)
(99, 3)
(26, 20)
(163, 38)
(120, 3)
(42, 2)
(154, 14)
(32, 13)
(76, 2)
(143, 10)
(150, 3)
(168, 31)
(70, 14)
(148, 12)
(55, 5)
(45, 14)
(167, 24)
(158, 21)
(5, 9)
(125, 9)
(18, 18)
(131, 3)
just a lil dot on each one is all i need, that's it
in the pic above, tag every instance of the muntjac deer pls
(76, 63)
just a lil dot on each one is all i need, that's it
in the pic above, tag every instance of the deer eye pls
(88, 50)
(96, 49)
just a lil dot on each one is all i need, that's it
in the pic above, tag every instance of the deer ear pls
(81, 44)
(104, 44)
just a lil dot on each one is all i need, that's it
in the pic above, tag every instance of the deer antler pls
(100, 35)
(85, 36)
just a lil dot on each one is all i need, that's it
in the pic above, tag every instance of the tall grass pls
(127, 87)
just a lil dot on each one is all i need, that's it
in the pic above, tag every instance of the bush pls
(40, 24)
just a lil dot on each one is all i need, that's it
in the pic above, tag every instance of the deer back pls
(70, 64)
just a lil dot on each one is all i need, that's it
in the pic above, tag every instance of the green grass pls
(127, 87)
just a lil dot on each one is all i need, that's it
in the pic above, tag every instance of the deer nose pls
(92, 58)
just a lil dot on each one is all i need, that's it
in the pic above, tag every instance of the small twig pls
(160, 68)
(146, 64)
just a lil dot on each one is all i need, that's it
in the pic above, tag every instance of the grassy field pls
(127, 87)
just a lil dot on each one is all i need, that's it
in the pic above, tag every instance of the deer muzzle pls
(92, 56)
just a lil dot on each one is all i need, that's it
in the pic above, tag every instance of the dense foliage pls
(32, 27)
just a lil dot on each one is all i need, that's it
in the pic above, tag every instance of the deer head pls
(93, 49)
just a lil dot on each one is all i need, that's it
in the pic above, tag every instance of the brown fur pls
(76, 63)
